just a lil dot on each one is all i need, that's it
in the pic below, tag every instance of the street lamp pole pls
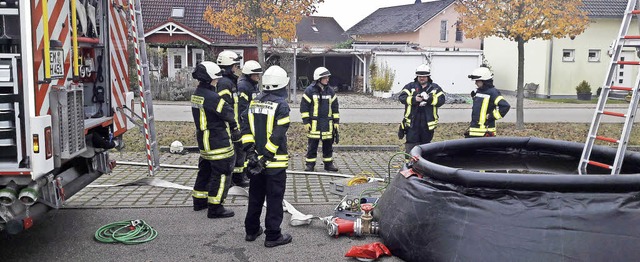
(294, 78)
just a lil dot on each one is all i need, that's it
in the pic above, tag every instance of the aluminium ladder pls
(622, 41)
(153, 156)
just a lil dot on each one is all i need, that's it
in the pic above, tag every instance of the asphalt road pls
(184, 235)
(447, 115)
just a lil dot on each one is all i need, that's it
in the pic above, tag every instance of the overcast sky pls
(350, 12)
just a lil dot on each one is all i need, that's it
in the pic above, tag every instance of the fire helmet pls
(481, 73)
(206, 71)
(274, 78)
(251, 67)
(227, 58)
(320, 72)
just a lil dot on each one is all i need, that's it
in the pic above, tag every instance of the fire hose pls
(129, 232)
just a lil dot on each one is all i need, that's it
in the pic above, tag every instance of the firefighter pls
(216, 127)
(421, 98)
(320, 116)
(247, 90)
(264, 127)
(229, 62)
(488, 105)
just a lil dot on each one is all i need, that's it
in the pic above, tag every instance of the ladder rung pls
(628, 62)
(631, 37)
(604, 138)
(611, 113)
(621, 88)
(635, 12)
(598, 164)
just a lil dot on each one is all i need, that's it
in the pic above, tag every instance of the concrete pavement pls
(448, 114)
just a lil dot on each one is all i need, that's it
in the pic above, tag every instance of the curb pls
(194, 149)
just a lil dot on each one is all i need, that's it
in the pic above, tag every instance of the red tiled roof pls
(158, 12)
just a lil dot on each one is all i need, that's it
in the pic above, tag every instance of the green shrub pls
(382, 77)
(583, 88)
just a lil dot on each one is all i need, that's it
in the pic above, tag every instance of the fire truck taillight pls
(48, 147)
(36, 143)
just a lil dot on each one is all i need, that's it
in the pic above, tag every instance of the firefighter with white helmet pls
(421, 98)
(216, 127)
(264, 128)
(229, 62)
(247, 90)
(321, 116)
(488, 105)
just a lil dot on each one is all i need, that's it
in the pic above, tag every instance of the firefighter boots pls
(282, 240)
(252, 237)
(329, 166)
(310, 167)
(218, 211)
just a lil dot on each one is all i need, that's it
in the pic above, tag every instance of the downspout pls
(550, 68)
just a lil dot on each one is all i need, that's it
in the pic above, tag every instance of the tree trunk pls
(520, 88)
(260, 54)
(260, 50)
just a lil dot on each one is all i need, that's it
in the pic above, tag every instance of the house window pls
(458, 32)
(594, 55)
(177, 61)
(198, 58)
(568, 55)
(177, 12)
(443, 31)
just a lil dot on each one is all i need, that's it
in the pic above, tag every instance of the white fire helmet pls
(423, 70)
(481, 73)
(211, 69)
(320, 72)
(251, 67)
(274, 78)
(227, 58)
(176, 147)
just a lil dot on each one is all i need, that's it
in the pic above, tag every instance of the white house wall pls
(449, 69)
(502, 56)
(600, 34)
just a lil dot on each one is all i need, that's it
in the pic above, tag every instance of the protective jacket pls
(214, 121)
(227, 89)
(265, 124)
(429, 111)
(488, 106)
(320, 109)
(247, 90)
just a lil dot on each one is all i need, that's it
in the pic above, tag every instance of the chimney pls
(418, 2)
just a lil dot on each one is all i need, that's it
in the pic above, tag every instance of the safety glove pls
(236, 135)
(473, 93)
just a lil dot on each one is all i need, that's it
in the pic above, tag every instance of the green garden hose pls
(128, 232)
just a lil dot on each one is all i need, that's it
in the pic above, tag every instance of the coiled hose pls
(129, 232)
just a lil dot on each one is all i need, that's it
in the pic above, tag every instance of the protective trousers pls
(312, 150)
(212, 183)
(269, 184)
(238, 168)
(417, 134)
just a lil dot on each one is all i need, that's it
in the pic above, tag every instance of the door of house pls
(624, 74)
(176, 60)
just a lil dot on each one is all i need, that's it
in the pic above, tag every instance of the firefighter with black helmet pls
(216, 128)
(321, 117)
(264, 128)
(421, 98)
(229, 62)
(488, 105)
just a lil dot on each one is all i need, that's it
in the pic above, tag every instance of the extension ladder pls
(153, 156)
(623, 40)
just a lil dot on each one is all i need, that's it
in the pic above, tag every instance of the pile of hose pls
(129, 232)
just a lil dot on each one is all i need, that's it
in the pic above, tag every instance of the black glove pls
(236, 135)
(401, 131)
(252, 162)
(256, 167)
(473, 93)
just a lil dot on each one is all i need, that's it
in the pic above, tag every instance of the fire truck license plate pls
(56, 57)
